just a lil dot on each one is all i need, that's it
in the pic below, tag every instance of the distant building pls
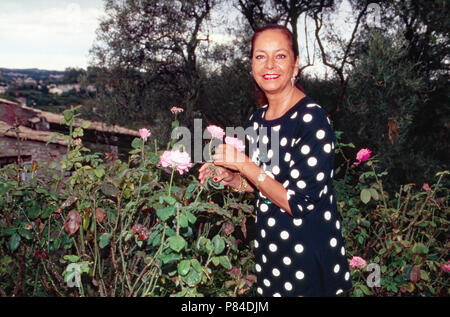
(35, 128)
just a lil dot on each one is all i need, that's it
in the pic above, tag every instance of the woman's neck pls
(280, 103)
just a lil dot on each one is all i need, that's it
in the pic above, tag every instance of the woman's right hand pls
(221, 174)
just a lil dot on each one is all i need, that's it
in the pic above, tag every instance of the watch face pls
(262, 177)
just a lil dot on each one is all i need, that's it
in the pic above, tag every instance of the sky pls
(47, 34)
(56, 34)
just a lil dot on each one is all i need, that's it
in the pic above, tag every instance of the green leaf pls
(109, 190)
(365, 195)
(183, 267)
(85, 124)
(215, 260)
(137, 143)
(374, 193)
(99, 171)
(47, 212)
(219, 244)
(177, 243)
(183, 221)
(196, 265)
(165, 213)
(191, 218)
(14, 242)
(225, 262)
(419, 248)
(193, 278)
(71, 258)
(104, 240)
(170, 200)
(365, 290)
(27, 234)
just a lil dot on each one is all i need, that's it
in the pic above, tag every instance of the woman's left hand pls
(229, 157)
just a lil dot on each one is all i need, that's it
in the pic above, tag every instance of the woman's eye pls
(281, 56)
(259, 56)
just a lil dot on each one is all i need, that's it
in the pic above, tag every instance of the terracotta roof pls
(29, 134)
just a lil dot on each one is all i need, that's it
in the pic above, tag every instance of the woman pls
(299, 250)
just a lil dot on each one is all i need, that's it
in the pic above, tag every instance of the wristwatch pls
(261, 177)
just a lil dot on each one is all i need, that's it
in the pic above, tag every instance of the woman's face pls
(273, 62)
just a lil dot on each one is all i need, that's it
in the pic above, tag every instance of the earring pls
(293, 79)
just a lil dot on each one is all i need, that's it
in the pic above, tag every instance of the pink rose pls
(77, 141)
(426, 187)
(176, 110)
(362, 155)
(238, 144)
(144, 133)
(181, 161)
(357, 262)
(446, 267)
(216, 131)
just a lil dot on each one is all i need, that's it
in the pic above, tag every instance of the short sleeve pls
(310, 172)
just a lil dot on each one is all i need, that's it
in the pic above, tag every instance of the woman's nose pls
(269, 63)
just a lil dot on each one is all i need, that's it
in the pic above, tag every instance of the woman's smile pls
(271, 76)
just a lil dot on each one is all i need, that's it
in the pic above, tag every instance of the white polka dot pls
(282, 210)
(264, 259)
(266, 282)
(327, 215)
(311, 105)
(264, 207)
(320, 176)
(289, 193)
(283, 142)
(270, 174)
(287, 157)
(333, 242)
(297, 222)
(295, 173)
(287, 260)
(332, 145)
(339, 291)
(331, 199)
(305, 149)
(255, 126)
(327, 148)
(256, 244)
(263, 233)
(312, 161)
(298, 248)
(271, 222)
(291, 163)
(294, 115)
(320, 134)
(276, 295)
(338, 225)
(328, 119)
(260, 291)
(273, 247)
(276, 170)
(276, 128)
(310, 207)
(258, 267)
(284, 235)
(336, 269)
(343, 251)
(286, 184)
(301, 184)
(299, 275)
(300, 207)
(276, 272)
(325, 189)
(307, 117)
(265, 139)
(288, 286)
(347, 276)
(331, 174)
(269, 154)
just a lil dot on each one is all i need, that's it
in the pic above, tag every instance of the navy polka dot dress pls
(303, 254)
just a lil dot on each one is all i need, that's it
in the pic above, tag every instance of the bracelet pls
(242, 184)
(261, 177)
